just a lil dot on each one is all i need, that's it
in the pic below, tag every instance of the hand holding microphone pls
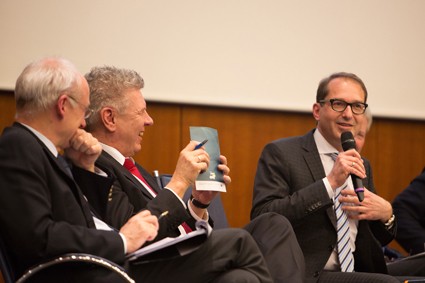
(348, 142)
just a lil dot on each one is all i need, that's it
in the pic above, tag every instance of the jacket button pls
(316, 274)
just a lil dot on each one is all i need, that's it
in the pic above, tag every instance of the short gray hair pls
(108, 85)
(42, 82)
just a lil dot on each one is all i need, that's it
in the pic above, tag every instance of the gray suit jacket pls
(289, 181)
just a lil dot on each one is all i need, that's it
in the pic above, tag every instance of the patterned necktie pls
(345, 255)
(130, 166)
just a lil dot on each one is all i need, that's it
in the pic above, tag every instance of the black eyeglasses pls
(340, 106)
(87, 111)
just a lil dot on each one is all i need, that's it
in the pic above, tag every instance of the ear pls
(61, 105)
(316, 111)
(108, 118)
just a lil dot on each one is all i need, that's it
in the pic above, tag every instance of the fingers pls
(373, 207)
(351, 163)
(84, 142)
(140, 228)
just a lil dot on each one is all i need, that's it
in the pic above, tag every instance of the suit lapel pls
(312, 158)
(133, 182)
(314, 163)
(73, 187)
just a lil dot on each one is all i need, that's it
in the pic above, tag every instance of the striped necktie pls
(345, 256)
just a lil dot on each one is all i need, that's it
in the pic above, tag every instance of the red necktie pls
(130, 166)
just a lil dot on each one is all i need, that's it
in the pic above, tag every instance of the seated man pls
(308, 180)
(119, 121)
(44, 213)
(409, 208)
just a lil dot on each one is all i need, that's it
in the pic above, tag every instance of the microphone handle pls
(358, 187)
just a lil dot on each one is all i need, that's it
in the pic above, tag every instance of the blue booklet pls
(212, 178)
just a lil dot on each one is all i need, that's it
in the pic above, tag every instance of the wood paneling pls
(395, 148)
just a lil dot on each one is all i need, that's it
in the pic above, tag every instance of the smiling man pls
(305, 177)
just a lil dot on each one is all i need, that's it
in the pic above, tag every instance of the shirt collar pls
(114, 153)
(48, 143)
(323, 146)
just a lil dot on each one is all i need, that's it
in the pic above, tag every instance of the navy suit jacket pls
(409, 208)
(289, 181)
(43, 213)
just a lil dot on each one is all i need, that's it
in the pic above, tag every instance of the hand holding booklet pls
(212, 178)
(178, 246)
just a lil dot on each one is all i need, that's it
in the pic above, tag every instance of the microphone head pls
(347, 141)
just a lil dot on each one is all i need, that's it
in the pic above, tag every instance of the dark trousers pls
(278, 244)
(228, 255)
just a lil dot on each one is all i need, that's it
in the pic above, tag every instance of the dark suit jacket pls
(43, 213)
(409, 208)
(128, 197)
(289, 181)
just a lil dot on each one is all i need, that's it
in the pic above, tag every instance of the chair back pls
(215, 210)
(5, 265)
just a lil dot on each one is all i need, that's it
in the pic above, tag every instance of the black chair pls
(216, 209)
(5, 266)
(75, 263)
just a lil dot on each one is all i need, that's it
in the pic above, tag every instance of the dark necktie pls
(65, 165)
(78, 194)
(130, 166)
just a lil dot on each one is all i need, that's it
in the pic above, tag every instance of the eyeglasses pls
(87, 111)
(340, 106)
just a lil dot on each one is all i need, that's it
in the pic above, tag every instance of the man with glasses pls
(302, 177)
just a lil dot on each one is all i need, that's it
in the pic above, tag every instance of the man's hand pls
(140, 228)
(83, 150)
(347, 162)
(373, 207)
(206, 197)
(191, 162)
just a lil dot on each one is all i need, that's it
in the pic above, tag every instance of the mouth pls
(141, 134)
(345, 125)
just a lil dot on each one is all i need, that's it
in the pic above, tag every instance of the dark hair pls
(322, 90)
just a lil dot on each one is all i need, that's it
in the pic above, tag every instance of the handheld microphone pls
(348, 142)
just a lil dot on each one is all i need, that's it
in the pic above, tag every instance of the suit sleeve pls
(409, 208)
(41, 217)
(283, 184)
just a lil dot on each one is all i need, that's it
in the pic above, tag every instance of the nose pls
(149, 120)
(348, 112)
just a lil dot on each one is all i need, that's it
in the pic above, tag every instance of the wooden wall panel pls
(395, 148)
(242, 135)
(7, 109)
(161, 141)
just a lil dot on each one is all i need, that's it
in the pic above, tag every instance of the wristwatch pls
(197, 203)
(390, 222)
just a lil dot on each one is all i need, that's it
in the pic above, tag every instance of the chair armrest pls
(79, 258)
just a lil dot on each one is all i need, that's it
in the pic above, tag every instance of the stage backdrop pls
(263, 54)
